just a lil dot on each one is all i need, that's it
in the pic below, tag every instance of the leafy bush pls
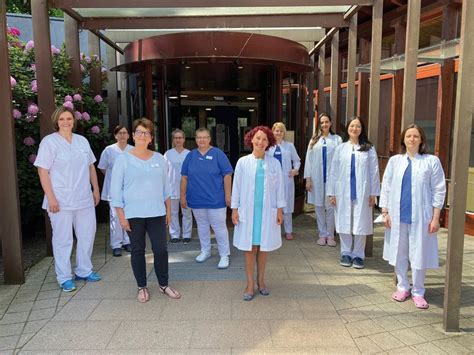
(89, 112)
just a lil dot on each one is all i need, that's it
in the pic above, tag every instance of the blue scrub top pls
(205, 174)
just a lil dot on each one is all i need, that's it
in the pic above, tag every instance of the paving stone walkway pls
(315, 306)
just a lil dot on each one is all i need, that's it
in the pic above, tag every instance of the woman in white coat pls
(290, 162)
(413, 193)
(66, 169)
(316, 172)
(118, 236)
(257, 207)
(353, 185)
(175, 158)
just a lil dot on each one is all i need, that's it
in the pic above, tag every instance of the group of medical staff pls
(146, 191)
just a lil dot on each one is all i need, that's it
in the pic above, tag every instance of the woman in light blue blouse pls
(141, 196)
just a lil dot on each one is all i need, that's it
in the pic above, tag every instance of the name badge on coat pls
(208, 157)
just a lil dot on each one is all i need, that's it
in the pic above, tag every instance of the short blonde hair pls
(58, 112)
(279, 125)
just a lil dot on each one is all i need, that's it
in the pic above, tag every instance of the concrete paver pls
(315, 306)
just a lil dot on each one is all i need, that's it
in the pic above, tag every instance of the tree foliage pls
(24, 7)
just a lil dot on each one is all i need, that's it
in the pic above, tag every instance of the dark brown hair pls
(319, 132)
(118, 128)
(422, 148)
(364, 142)
(144, 122)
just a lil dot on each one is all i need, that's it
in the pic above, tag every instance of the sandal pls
(143, 296)
(420, 302)
(170, 292)
(401, 296)
(321, 241)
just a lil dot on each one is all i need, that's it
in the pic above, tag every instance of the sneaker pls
(203, 257)
(346, 260)
(127, 248)
(93, 277)
(117, 252)
(174, 240)
(224, 262)
(186, 240)
(358, 263)
(68, 286)
(331, 242)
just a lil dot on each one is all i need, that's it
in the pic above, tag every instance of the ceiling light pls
(173, 97)
(251, 109)
(250, 98)
(208, 109)
(187, 67)
(183, 95)
(219, 98)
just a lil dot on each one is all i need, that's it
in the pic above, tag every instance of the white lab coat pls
(428, 192)
(313, 167)
(290, 160)
(106, 162)
(367, 184)
(175, 162)
(243, 191)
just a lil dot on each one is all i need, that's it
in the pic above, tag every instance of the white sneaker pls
(223, 263)
(203, 257)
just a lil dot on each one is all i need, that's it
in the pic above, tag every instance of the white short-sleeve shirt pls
(68, 166)
(175, 162)
(106, 162)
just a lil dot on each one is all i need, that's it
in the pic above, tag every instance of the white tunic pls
(243, 191)
(68, 166)
(313, 167)
(106, 162)
(290, 160)
(367, 184)
(175, 162)
(428, 189)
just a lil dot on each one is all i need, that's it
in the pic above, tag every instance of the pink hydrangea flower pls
(69, 105)
(88, 60)
(68, 98)
(82, 68)
(33, 67)
(95, 129)
(34, 86)
(12, 82)
(13, 31)
(33, 109)
(55, 50)
(95, 57)
(77, 97)
(86, 116)
(32, 158)
(30, 45)
(16, 114)
(29, 141)
(98, 98)
(78, 115)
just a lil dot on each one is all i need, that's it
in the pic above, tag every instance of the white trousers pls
(215, 218)
(358, 251)
(118, 236)
(84, 223)
(187, 221)
(288, 222)
(325, 218)
(401, 266)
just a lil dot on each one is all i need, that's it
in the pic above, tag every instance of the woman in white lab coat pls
(175, 157)
(257, 207)
(316, 172)
(66, 169)
(290, 162)
(413, 193)
(353, 186)
(118, 236)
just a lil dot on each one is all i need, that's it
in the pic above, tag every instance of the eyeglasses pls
(205, 137)
(139, 133)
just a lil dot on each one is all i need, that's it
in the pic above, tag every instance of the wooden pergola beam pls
(71, 30)
(321, 75)
(335, 82)
(10, 225)
(351, 67)
(108, 4)
(459, 171)
(253, 21)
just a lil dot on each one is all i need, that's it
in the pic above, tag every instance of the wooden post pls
(96, 75)
(321, 76)
(363, 86)
(311, 80)
(459, 171)
(335, 82)
(411, 62)
(112, 99)
(10, 225)
(149, 93)
(72, 50)
(351, 65)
